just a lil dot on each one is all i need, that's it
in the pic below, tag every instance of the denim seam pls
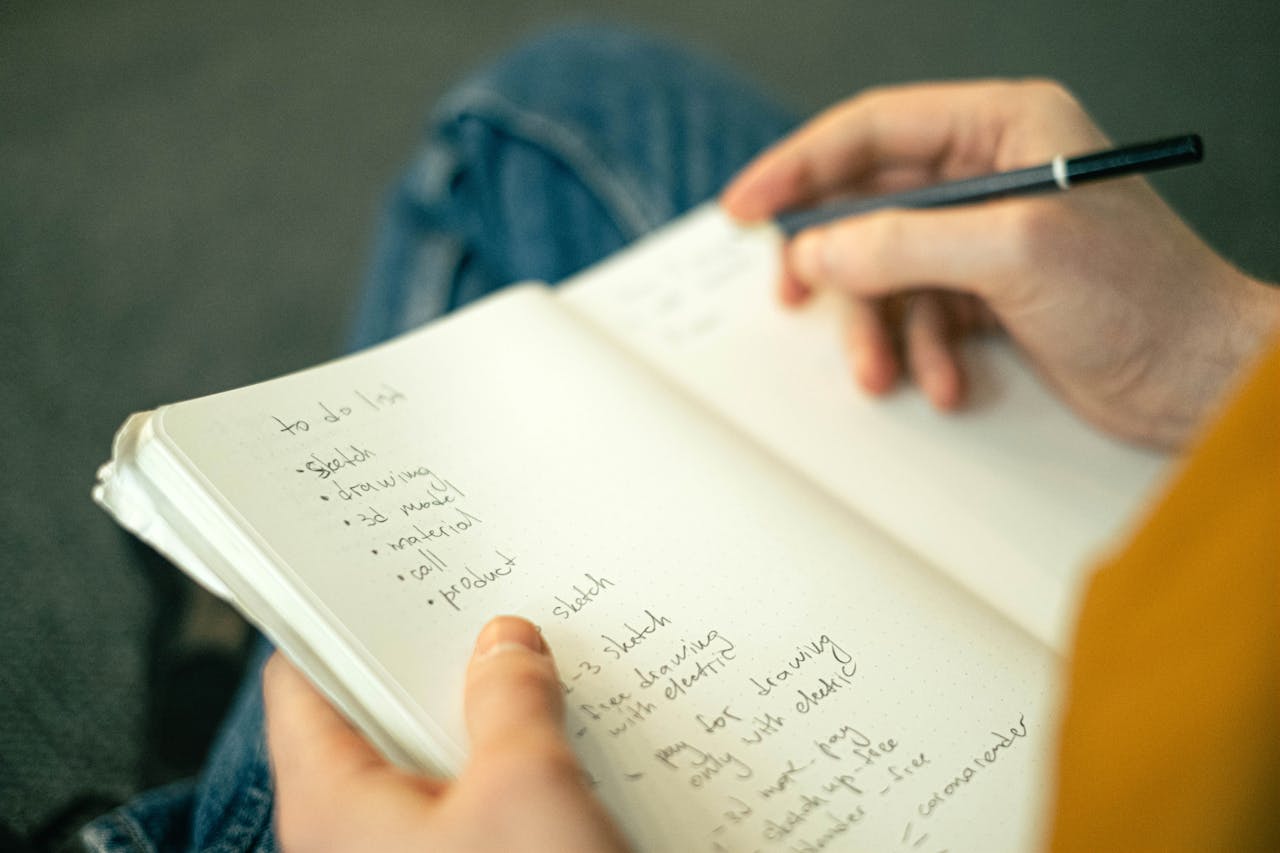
(621, 197)
(121, 830)
(258, 802)
(115, 833)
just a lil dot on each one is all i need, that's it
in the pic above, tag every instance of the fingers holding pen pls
(917, 334)
(930, 336)
(891, 265)
(871, 344)
(893, 138)
(892, 251)
(843, 148)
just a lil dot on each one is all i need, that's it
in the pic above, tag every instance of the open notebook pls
(786, 616)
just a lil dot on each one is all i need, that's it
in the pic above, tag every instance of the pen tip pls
(1195, 146)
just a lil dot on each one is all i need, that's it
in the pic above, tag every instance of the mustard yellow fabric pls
(1171, 738)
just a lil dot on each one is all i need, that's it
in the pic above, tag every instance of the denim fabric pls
(555, 157)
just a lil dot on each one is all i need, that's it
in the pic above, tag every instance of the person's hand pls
(522, 789)
(1135, 321)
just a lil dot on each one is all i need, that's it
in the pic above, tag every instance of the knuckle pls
(526, 681)
(874, 94)
(534, 761)
(536, 680)
(1051, 93)
(1031, 227)
(924, 325)
(800, 182)
(878, 242)
(1053, 105)
(1029, 221)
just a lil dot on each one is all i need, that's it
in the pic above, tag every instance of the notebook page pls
(1014, 497)
(745, 666)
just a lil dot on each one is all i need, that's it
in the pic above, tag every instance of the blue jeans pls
(557, 156)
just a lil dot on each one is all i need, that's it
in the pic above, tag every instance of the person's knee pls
(596, 107)
(590, 60)
(627, 112)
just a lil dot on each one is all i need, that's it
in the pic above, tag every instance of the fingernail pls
(509, 633)
(940, 386)
(874, 373)
(791, 290)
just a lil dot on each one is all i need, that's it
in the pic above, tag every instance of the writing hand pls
(1123, 309)
(522, 789)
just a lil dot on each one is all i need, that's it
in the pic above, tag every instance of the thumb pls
(883, 253)
(513, 699)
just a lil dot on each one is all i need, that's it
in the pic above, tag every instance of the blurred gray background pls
(187, 196)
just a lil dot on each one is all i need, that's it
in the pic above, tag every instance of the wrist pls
(1248, 316)
(1258, 316)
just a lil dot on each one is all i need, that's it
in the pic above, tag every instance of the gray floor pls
(186, 199)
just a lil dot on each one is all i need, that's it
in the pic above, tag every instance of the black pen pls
(1059, 174)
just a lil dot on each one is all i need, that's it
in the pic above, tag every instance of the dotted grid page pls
(745, 666)
(1014, 497)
